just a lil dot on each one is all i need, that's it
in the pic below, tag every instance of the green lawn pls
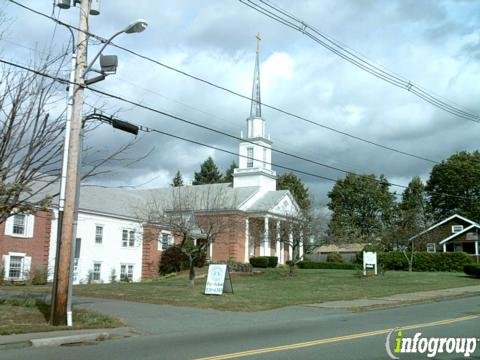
(274, 288)
(19, 316)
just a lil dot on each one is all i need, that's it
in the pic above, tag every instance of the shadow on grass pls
(41, 306)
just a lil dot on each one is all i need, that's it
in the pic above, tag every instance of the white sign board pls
(369, 261)
(215, 285)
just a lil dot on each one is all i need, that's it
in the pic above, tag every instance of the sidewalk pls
(399, 299)
(56, 338)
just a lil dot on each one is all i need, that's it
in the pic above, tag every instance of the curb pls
(71, 339)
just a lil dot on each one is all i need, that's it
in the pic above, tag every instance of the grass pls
(18, 316)
(274, 288)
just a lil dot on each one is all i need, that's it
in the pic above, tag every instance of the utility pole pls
(60, 288)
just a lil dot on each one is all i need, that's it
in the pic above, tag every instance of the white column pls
(266, 242)
(247, 241)
(277, 244)
(211, 251)
(290, 247)
(300, 248)
(476, 248)
(444, 247)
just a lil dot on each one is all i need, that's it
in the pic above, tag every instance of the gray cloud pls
(433, 43)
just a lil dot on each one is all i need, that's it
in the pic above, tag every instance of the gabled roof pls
(443, 222)
(454, 235)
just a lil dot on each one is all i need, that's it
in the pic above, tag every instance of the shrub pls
(334, 257)
(472, 270)
(259, 261)
(424, 261)
(326, 265)
(172, 260)
(272, 261)
(2, 275)
(38, 276)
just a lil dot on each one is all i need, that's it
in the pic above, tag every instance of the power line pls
(285, 112)
(289, 20)
(147, 129)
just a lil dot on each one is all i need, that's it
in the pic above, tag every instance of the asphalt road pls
(290, 333)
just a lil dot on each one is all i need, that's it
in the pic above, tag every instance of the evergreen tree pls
(228, 177)
(208, 174)
(177, 180)
(290, 181)
(412, 207)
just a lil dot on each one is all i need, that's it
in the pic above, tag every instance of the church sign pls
(218, 280)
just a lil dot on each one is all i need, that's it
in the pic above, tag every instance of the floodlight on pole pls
(136, 27)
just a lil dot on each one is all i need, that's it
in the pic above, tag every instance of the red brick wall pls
(37, 247)
(150, 253)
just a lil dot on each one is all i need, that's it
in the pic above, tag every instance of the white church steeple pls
(255, 159)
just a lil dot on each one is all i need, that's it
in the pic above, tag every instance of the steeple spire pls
(256, 110)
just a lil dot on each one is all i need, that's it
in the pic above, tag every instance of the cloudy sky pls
(435, 44)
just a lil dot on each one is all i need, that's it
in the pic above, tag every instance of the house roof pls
(354, 247)
(131, 203)
(268, 201)
(454, 235)
(443, 222)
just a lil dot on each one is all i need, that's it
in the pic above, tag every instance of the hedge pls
(264, 261)
(472, 269)
(424, 261)
(334, 257)
(326, 265)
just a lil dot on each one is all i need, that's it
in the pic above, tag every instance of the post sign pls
(369, 262)
(218, 280)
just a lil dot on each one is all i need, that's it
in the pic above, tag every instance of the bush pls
(326, 265)
(259, 261)
(172, 260)
(38, 276)
(472, 270)
(424, 261)
(334, 257)
(272, 261)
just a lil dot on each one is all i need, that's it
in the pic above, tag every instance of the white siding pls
(110, 253)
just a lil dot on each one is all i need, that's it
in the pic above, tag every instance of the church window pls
(250, 157)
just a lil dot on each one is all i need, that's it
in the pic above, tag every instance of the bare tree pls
(197, 215)
(32, 124)
(301, 234)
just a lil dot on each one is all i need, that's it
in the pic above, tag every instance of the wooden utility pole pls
(62, 277)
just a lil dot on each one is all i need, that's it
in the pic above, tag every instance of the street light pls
(68, 200)
(135, 27)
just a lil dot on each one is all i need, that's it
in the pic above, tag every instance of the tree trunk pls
(191, 274)
(291, 268)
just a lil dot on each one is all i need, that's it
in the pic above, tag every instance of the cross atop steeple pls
(255, 109)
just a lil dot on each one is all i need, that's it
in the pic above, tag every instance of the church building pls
(114, 241)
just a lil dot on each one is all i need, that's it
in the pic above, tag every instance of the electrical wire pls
(291, 21)
(148, 129)
(181, 72)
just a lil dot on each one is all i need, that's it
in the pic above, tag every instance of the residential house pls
(453, 234)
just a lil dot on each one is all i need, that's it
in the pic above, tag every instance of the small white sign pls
(215, 279)
(369, 261)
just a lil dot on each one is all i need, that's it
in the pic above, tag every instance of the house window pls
(98, 234)
(166, 240)
(458, 247)
(264, 158)
(19, 224)
(431, 247)
(126, 272)
(250, 157)
(457, 228)
(96, 271)
(15, 270)
(128, 238)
